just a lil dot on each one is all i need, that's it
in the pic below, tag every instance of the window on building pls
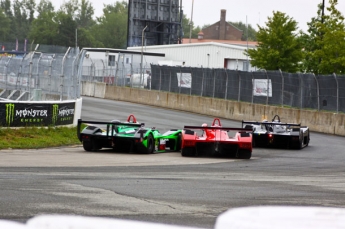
(111, 60)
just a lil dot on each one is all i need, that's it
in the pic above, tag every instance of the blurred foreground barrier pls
(84, 222)
(261, 217)
(282, 217)
(6, 224)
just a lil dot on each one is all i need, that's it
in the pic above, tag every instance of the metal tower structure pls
(154, 22)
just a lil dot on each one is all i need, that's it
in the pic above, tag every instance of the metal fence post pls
(29, 75)
(123, 74)
(160, 79)
(115, 78)
(170, 80)
(6, 65)
(37, 76)
(179, 89)
(19, 73)
(202, 81)
(268, 87)
(318, 92)
(239, 86)
(226, 84)
(131, 74)
(281, 73)
(301, 87)
(62, 73)
(252, 88)
(336, 80)
(191, 76)
(50, 74)
(214, 81)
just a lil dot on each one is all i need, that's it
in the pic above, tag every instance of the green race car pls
(129, 136)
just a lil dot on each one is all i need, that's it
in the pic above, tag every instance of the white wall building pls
(206, 55)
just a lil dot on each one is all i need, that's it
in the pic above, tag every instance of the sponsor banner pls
(36, 114)
(184, 80)
(262, 87)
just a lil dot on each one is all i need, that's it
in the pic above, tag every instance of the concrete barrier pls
(318, 121)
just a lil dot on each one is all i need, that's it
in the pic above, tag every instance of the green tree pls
(45, 6)
(310, 63)
(6, 6)
(44, 29)
(23, 12)
(111, 27)
(331, 44)
(86, 39)
(85, 14)
(5, 27)
(70, 8)
(185, 26)
(279, 47)
(66, 30)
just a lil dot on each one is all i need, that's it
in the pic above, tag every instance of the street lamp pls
(141, 64)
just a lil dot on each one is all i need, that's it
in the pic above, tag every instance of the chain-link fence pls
(39, 76)
(59, 75)
(303, 91)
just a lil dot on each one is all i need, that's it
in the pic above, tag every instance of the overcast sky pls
(252, 11)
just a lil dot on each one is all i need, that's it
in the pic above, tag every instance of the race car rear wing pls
(110, 125)
(218, 128)
(271, 123)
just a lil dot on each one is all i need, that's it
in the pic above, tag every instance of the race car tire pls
(308, 139)
(188, 152)
(299, 144)
(87, 145)
(150, 145)
(178, 143)
(244, 154)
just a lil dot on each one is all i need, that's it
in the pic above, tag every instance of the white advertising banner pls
(184, 80)
(261, 87)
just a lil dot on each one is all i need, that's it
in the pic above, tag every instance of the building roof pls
(251, 44)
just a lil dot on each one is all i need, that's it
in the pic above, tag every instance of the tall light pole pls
(191, 23)
(142, 49)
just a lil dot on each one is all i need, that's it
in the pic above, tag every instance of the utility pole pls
(191, 24)
(142, 50)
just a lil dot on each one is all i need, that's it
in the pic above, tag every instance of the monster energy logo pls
(9, 113)
(55, 113)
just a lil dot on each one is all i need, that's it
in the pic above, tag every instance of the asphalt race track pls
(166, 187)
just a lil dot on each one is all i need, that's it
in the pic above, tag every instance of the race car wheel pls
(244, 154)
(301, 139)
(150, 145)
(188, 152)
(87, 145)
(308, 139)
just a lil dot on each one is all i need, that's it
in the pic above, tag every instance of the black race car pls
(278, 134)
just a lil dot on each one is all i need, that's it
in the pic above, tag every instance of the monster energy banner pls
(36, 114)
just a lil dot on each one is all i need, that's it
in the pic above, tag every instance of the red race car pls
(215, 140)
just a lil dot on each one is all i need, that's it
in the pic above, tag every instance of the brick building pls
(221, 30)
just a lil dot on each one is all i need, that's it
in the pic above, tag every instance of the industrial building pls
(204, 54)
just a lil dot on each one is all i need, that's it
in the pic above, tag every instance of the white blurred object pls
(138, 80)
(85, 222)
(282, 217)
(6, 224)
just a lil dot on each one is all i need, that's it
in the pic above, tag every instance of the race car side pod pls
(108, 124)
